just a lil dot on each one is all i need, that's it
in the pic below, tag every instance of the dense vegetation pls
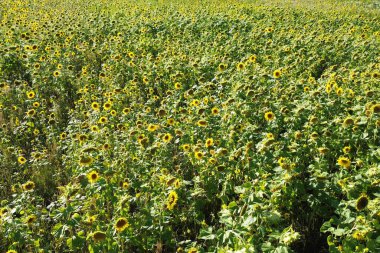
(210, 126)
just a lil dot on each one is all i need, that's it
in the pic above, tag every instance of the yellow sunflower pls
(121, 224)
(344, 162)
(93, 176)
(167, 137)
(28, 186)
(21, 160)
(269, 116)
(172, 200)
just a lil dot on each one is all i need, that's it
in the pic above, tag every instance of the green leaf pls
(281, 249)
(339, 232)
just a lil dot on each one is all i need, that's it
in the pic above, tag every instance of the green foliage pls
(162, 126)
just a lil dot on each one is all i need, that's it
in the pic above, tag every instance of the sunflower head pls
(93, 176)
(362, 202)
(85, 160)
(21, 160)
(28, 186)
(121, 224)
(277, 73)
(202, 123)
(172, 200)
(344, 162)
(209, 142)
(98, 236)
(167, 138)
(269, 116)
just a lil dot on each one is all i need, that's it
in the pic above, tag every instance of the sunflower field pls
(189, 126)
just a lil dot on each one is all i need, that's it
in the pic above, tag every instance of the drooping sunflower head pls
(348, 121)
(85, 160)
(202, 123)
(30, 219)
(362, 202)
(98, 236)
(375, 108)
(121, 224)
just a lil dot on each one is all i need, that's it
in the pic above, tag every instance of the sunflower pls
(126, 111)
(85, 160)
(102, 120)
(28, 186)
(269, 116)
(202, 123)
(240, 66)
(277, 73)
(362, 202)
(375, 74)
(328, 88)
(346, 149)
(172, 200)
(358, 235)
(222, 67)
(209, 142)
(152, 127)
(348, 121)
(121, 224)
(323, 150)
(177, 86)
(375, 108)
(95, 106)
(91, 219)
(186, 147)
(107, 105)
(252, 58)
(339, 91)
(170, 122)
(192, 250)
(198, 155)
(93, 176)
(298, 135)
(270, 136)
(98, 236)
(11, 251)
(36, 104)
(167, 137)
(215, 111)
(30, 219)
(344, 162)
(56, 73)
(21, 160)
(30, 94)
(125, 185)
(31, 112)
